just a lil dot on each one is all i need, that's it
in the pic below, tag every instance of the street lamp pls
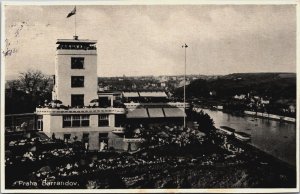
(184, 118)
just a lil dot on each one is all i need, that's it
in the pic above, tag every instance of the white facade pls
(63, 72)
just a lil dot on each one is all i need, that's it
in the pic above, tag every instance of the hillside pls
(275, 85)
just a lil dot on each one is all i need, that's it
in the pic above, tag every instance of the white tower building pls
(75, 72)
(76, 85)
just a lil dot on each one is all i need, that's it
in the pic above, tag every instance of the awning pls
(155, 113)
(174, 112)
(153, 94)
(137, 113)
(131, 94)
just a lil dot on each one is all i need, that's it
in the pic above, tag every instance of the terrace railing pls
(108, 110)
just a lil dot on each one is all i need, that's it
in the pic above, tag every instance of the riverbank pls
(272, 136)
(251, 169)
(270, 116)
(249, 113)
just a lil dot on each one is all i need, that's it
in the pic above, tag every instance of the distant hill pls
(275, 85)
(263, 76)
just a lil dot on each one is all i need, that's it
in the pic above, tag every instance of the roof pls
(137, 113)
(109, 92)
(174, 112)
(153, 94)
(156, 113)
(76, 41)
(131, 94)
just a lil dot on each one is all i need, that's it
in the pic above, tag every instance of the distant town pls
(275, 95)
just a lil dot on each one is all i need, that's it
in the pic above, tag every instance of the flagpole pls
(75, 22)
(184, 122)
(184, 82)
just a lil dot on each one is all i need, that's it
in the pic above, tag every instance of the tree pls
(31, 88)
(206, 123)
(34, 82)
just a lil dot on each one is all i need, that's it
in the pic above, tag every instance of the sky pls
(146, 39)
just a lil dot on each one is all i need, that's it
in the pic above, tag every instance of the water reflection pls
(276, 138)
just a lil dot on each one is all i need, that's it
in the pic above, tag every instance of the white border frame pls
(145, 2)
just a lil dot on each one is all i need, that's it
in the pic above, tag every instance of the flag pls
(73, 12)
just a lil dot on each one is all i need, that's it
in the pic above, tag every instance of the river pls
(274, 137)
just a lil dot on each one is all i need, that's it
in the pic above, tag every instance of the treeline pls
(275, 85)
(28, 91)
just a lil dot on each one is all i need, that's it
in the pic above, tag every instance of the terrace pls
(73, 110)
(118, 130)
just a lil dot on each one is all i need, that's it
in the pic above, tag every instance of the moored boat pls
(227, 130)
(238, 135)
(242, 136)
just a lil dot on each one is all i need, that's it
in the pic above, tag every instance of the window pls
(77, 100)
(103, 141)
(40, 122)
(77, 81)
(103, 121)
(67, 137)
(85, 120)
(85, 137)
(67, 121)
(76, 120)
(77, 62)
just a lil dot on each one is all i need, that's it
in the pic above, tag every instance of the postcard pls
(146, 96)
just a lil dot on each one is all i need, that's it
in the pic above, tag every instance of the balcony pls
(133, 140)
(118, 130)
(84, 110)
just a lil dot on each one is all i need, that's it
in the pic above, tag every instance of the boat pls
(227, 130)
(238, 135)
(242, 136)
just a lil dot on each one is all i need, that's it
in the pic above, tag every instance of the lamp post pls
(184, 118)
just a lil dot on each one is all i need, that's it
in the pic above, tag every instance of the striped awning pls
(131, 94)
(137, 113)
(156, 113)
(174, 112)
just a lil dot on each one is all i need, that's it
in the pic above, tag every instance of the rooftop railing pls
(76, 47)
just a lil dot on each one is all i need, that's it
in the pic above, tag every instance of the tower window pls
(77, 100)
(77, 62)
(40, 122)
(77, 81)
